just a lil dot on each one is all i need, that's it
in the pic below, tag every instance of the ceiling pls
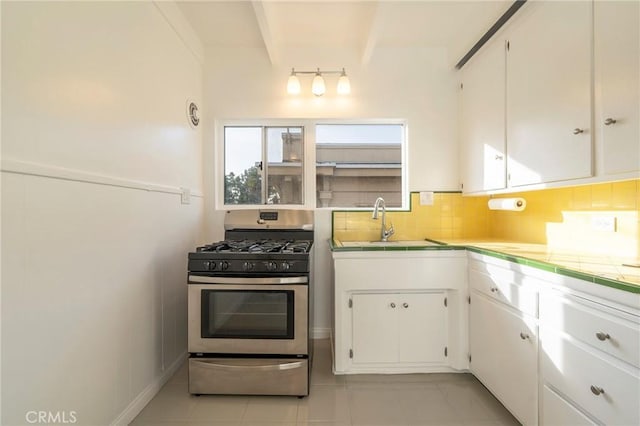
(359, 25)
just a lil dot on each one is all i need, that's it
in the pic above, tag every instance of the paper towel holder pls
(511, 204)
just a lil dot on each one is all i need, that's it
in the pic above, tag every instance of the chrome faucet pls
(384, 232)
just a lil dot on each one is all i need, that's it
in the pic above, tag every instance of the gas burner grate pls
(257, 246)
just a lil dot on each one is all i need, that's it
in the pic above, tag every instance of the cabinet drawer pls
(609, 392)
(506, 291)
(249, 376)
(617, 336)
(557, 411)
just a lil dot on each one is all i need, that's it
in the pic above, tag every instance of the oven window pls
(247, 314)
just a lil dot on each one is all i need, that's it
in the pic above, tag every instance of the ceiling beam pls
(266, 31)
(371, 38)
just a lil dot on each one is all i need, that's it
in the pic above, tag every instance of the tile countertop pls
(600, 269)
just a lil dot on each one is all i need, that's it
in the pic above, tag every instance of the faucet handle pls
(390, 231)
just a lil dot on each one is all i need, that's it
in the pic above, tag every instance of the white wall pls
(95, 149)
(414, 84)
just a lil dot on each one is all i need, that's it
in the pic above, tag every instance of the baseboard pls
(320, 333)
(147, 394)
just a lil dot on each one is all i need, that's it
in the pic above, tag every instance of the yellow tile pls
(601, 196)
(624, 195)
(628, 224)
(563, 198)
(446, 222)
(581, 198)
(431, 221)
(339, 220)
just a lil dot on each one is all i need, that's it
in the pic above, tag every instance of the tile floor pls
(358, 400)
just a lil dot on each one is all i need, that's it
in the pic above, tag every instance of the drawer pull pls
(494, 289)
(393, 305)
(405, 305)
(602, 336)
(524, 336)
(267, 367)
(596, 390)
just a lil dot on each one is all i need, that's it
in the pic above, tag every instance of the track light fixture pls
(318, 87)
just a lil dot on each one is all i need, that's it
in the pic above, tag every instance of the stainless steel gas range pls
(249, 300)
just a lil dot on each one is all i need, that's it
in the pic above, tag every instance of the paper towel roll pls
(513, 204)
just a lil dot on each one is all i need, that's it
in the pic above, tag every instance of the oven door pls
(248, 315)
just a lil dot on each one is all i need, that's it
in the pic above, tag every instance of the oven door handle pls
(244, 280)
(269, 367)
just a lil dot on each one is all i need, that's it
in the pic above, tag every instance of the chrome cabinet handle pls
(610, 121)
(602, 336)
(405, 305)
(393, 305)
(596, 390)
(577, 131)
(524, 336)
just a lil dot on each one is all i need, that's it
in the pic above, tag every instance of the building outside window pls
(356, 163)
(263, 165)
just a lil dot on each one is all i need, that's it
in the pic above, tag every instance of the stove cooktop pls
(251, 257)
(258, 246)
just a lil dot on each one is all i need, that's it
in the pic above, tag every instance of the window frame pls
(309, 161)
(265, 162)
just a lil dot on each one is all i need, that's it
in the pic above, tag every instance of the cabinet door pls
(422, 332)
(549, 131)
(375, 328)
(483, 120)
(617, 57)
(504, 355)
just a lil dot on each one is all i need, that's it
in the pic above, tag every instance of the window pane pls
(357, 163)
(243, 165)
(284, 170)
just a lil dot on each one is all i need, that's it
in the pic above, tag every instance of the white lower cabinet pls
(555, 350)
(399, 328)
(400, 311)
(503, 334)
(504, 350)
(590, 358)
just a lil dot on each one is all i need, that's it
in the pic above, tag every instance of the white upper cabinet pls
(549, 132)
(617, 56)
(483, 121)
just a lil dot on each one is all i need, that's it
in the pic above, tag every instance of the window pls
(263, 165)
(357, 163)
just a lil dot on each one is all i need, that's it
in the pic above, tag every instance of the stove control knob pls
(224, 265)
(272, 266)
(285, 266)
(209, 265)
(248, 266)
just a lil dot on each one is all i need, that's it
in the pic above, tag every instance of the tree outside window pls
(258, 154)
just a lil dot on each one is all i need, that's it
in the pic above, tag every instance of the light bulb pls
(293, 84)
(317, 86)
(344, 86)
